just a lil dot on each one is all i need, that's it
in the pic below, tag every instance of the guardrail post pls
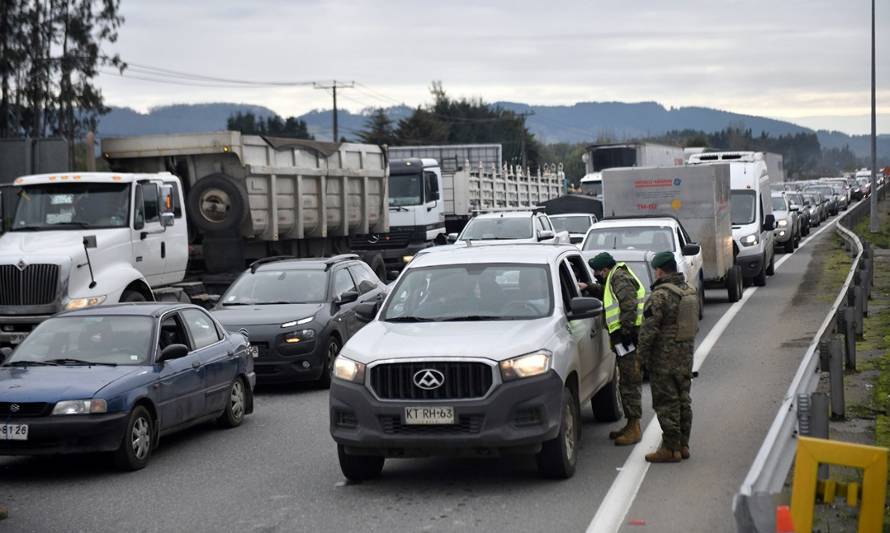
(849, 331)
(819, 423)
(860, 310)
(836, 377)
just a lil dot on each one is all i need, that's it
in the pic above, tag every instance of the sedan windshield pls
(498, 229)
(652, 238)
(405, 189)
(84, 340)
(277, 287)
(743, 207)
(471, 292)
(571, 224)
(72, 206)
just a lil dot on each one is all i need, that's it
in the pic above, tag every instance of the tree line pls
(50, 53)
(273, 126)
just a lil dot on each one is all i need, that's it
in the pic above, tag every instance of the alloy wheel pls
(569, 432)
(140, 438)
(237, 399)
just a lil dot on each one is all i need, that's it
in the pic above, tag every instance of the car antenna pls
(89, 241)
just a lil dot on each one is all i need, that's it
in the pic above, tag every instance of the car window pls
(539, 225)
(579, 269)
(680, 237)
(545, 221)
(498, 228)
(365, 277)
(656, 239)
(568, 285)
(265, 287)
(150, 203)
(172, 332)
(343, 283)
(202, 328)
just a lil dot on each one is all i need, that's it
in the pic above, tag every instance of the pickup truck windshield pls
(497, 229)
(571, 224)
(72, 206)
(88, 340)
(652, 238)
(471, 293)
(405, 189)
(743, 207)
(277, 287)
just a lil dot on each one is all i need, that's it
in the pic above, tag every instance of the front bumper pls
(516, 416)
(52, 435)
(751, 263)
(782, 235)
(279, 362)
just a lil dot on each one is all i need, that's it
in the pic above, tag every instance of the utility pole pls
(334, 85)
(873, 223)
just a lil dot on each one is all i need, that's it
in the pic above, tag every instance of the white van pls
(752, 211)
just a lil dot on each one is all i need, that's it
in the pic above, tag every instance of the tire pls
(606, 403)
(359, 467)
(701, 298)
(137, 444)
(378, 266)
(333, 348)
(734, 284)
(236, 405)
(771, 268)
(216, 205)
(760, 279)
(132, 296)
(558, 457)
(788, 247)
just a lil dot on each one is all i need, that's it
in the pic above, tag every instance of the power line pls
(333, 85)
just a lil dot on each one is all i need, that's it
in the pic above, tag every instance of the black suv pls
(298, 313)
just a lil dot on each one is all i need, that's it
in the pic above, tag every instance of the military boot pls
(664, 455)
(684, 452)
(615, 434)
(632, 435)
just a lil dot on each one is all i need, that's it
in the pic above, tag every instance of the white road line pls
(614, 508)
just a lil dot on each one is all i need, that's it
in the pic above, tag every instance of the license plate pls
(254, 351)
(429, 416)
(13, 431)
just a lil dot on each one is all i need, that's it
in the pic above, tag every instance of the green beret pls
(601, 261)
(663, 258)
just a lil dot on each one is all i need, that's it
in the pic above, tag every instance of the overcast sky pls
(801, 60)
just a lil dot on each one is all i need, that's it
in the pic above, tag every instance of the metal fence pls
(832, 348)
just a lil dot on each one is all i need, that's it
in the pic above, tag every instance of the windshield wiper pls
(28, 362)
(410, 319)
(278, 303)
(236, 303)
(70, 361)
(472, 318)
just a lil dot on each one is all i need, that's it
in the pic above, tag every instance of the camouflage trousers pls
(630, 385)
(672, 404)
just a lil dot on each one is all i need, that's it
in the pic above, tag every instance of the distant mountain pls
(581, 122)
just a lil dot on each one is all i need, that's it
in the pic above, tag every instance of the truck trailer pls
(600, 157)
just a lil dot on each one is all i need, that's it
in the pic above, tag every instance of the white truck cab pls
(82, 239)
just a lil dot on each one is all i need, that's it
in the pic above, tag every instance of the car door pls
(582, 331)
(149, 250)
(344, 314)
(179, 387)
(219, 363)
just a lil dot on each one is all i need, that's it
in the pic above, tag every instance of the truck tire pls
(132, 296)
(606, 403)
(216, 205)
(558, 456)
(359, 467)
(734, 282)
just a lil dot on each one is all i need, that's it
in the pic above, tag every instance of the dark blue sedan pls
(117, 378)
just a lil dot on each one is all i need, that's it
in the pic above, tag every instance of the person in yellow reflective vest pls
(623, 299)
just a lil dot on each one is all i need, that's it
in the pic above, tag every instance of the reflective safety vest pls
(610, 302)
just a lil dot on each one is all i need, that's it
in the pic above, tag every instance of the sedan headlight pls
(300, 322)
(750, 240)
(525, 366)
(349, 370)
(80, 407)
(783, 222)
(80, 303)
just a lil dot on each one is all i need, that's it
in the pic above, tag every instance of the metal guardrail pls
(754, 506)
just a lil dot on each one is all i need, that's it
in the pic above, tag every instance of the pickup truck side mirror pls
(583, 307)
(545, 234)
(366, 311)
(173, 351)
(769, 222)
(5, 352)
(692, 248)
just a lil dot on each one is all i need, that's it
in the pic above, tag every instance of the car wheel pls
(606, 403)
(330, 354)
(359, 467)
(558, 457)
(760, 279)
(734, 284)
(236, 406)
(771, 268)
(136, 446)
(132, 296)
(701, 298)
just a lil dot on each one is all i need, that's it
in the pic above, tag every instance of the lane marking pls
(613, 509)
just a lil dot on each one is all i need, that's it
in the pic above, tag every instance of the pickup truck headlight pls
(750, 240)
(783, 223)
(80, 407)
(525, 366)
(80, 303)
(349, 370)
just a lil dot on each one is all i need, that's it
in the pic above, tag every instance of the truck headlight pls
(525, 366)
(349, 370)
(750, 240)
(80, 407)
(783, 223)
(80, 303)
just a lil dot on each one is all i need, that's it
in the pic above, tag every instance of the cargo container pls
(600, 157)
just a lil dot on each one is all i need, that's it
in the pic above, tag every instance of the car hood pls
(496, 340)
(56, 383)
(258, 315)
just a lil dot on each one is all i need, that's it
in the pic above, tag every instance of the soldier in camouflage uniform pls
(624, 293)
(669, 361)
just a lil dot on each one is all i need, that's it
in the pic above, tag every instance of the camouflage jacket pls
(657, 347)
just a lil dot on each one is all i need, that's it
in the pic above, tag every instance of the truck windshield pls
(82, 340)
(592, 188)
(471, 292)
(496, 229)
(72, 206)
(743, 207)
(268, 287)
(571, 224)
(652, 238)
(405, 189)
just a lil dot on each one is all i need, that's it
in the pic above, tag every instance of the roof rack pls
(331, 261)
(271, 259)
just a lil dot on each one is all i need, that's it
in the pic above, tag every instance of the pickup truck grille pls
(462, 380)
(36, 284)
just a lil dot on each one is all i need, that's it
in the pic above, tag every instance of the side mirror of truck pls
(166, 192)
(583, 307)
(545, 234)
(692, 248)
(366, 311)
(167, 219)
(769, 222)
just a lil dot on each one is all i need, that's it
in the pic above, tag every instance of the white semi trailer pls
(600, 157)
